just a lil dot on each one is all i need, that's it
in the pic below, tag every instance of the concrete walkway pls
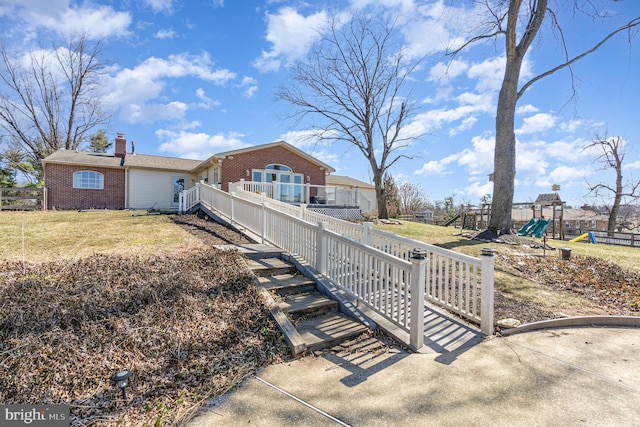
(556, 377)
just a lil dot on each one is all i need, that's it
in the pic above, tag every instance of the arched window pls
(88, 179)
(275, 167)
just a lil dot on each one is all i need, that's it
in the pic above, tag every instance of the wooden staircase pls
(308, 318)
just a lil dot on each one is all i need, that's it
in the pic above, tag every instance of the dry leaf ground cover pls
(533, 285)
(190, 325)
(87, 294)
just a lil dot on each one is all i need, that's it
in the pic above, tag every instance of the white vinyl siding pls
(150, 189)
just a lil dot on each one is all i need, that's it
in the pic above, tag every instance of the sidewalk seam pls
(308, 405)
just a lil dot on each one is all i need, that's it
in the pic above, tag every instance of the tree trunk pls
(505, 150)
(613, 214)
(381, 194)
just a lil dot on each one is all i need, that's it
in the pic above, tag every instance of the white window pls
(289, 185)
(88, 179)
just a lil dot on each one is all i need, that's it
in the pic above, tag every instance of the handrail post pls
(264, 221)
(486, 298)
(321, 248)
(181, 202)
(231, 198)
(366, 237)
(416, 327)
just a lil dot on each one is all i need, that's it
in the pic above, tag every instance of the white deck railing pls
(305, 193)
(372, 265)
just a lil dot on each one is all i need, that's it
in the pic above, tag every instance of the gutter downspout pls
(126, 187)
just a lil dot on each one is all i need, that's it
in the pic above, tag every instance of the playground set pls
(531, 225)
(590, 235)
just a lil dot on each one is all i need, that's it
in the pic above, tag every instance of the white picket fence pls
(391, 274)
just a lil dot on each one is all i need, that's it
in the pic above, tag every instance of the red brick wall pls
(58, 180)
(236, 169)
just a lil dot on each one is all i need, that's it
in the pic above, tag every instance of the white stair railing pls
(372, 265)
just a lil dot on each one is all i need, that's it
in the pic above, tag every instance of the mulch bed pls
(208, 231)
(189, 326)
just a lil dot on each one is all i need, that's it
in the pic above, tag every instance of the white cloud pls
(149, 113)
(449, 71)
(572, 125)
(97, 21)
(205, 102)
(249, 85)
(475, 190)
(464, 126)
(191, 145)
(565, 175)
(530, 161)
(165, 34)
(160, 5)
(479, 159)
(436, 119)
(632, 165)
(537, 123)
(489, 74)
(147, 80)
(291, 35)
(528, 108)
(136, 91)
(566, 150)
(435, 27)
(432, 168)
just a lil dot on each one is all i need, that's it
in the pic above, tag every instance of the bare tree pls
(611, 154)
(519, 21)
(351, 86)
(412, 198)
(50, 101)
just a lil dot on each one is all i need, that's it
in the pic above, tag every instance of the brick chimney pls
(121, 146)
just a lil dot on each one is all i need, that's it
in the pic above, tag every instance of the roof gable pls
(284, 144)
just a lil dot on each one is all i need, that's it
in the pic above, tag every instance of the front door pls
(177, 184)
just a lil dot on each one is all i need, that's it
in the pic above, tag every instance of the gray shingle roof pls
(159, 162)
(109, 160)
(548, 198)
(84, 159)
(347, 181)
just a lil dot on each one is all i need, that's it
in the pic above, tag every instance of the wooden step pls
(307, 304)
(284, 284)
(270, 267)
(328, 330)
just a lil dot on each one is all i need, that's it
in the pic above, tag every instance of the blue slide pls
(535, 227)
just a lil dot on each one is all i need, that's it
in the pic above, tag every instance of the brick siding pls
(233, 170)
(62, 195)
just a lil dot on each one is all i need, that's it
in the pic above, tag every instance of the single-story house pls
(128, 180)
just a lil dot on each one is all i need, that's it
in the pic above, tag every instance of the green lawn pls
(70, 234)
(626, 257)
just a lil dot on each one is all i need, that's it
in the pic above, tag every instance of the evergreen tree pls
(98, 142)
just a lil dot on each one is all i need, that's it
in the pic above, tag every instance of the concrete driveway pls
(556, 377)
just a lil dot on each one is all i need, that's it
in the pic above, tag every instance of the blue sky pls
(193, 78)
